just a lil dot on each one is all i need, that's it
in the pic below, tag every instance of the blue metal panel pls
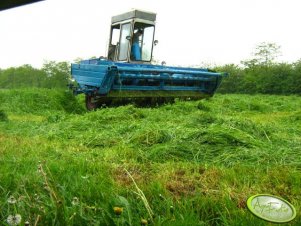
(90, 75)
(121, 64)
(158, 88)
(168, 71)
(99, 75)
(176, 77)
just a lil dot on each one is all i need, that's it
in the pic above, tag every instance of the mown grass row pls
(188, 163)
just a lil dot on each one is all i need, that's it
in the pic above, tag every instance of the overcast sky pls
(190, 32)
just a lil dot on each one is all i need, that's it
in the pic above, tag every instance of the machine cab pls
(132, 37)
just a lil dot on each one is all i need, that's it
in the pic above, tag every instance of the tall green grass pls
(38, 101)
(187, 163)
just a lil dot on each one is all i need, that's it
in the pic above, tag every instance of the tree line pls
(260, 74)
(51, 75)
(282, 78)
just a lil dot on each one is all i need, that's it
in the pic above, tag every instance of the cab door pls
(124, 43)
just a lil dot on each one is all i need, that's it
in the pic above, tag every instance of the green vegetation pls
(282, 78)
(51, 75)
(262, 75)
(187, 163)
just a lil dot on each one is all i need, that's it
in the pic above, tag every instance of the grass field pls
(187, 163)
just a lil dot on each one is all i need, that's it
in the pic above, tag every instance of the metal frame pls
(130, 18)
(101, 79)
(104, 78)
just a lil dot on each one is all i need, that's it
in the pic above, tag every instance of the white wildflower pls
(11, 200)
(14, 219)
(75, 201)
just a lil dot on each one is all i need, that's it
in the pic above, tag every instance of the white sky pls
(190, 32)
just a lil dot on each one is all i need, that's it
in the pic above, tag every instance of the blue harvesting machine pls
(127, 73)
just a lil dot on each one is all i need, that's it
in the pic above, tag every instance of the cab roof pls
(134, 14)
